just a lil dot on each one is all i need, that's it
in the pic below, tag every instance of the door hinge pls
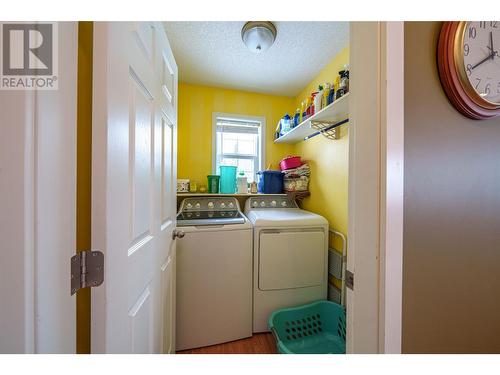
(349, 279)
(87, 270)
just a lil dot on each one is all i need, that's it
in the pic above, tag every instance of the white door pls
(133, 196)
(38, 204)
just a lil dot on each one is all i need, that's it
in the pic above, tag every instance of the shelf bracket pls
(327, 128)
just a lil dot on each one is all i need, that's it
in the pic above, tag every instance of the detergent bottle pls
(285, 124)
(326, 93)
(296, 118)
(303, 108)
(242, 183)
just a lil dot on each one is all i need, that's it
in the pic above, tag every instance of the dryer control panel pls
(270, 202)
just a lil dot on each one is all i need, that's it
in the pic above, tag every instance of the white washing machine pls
(290, 248)
(214, 273)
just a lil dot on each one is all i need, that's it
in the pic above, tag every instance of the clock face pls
(481, 56)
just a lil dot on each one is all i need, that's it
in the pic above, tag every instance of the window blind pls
(237, 126)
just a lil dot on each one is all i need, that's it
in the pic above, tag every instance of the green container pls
(213, 183)
(315, 328)
(227, 179)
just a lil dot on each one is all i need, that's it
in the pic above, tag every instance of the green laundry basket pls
(315, 328)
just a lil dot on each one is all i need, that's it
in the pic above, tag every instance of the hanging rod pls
(334, 125)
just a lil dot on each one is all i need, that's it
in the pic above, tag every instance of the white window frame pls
(234, 116)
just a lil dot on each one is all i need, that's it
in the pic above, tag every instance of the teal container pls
(213, 183)
(315, 328)
(227, 179)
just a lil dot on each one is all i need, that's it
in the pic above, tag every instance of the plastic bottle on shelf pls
(242, 183)
(253, 187)
(326, 93)
(303, 108)
(308, 107)
(285, 124)
(278, 130)
(312, 110)
(296, 118)
(331, 95)
(318, 99)
(343, 84)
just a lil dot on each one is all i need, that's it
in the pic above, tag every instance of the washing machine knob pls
(210, 205)
(231, 205)
(189, 206)
(255, 204)
(222, 205)
(283, 204)
(263, 204)
(273, 203)
(197, 205)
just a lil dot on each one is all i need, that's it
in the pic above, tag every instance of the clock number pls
(469, 69)
(493, 24)
(482, 24)
(472, 32)
(478, 82)
(466, 49)
(487, 90)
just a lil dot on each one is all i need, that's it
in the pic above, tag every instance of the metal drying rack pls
(338, 263)
(326, 128)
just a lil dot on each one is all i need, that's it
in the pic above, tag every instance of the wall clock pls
(468, 58)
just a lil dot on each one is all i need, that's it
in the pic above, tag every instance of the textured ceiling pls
(213, 54)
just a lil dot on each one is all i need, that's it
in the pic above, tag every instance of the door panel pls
(168, 299)
(140, 321)
(167, 171)
(141, 127)
(133, 195)
(291, 259)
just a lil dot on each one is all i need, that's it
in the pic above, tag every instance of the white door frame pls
(38, 208)
(376, 187)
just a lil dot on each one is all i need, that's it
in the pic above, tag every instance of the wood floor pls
(259, 343)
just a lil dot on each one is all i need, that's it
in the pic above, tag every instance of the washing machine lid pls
(284, 217)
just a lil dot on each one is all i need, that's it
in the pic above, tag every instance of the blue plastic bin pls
(270, 182)
(315, 328)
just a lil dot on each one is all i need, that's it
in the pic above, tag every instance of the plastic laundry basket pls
(316, 328)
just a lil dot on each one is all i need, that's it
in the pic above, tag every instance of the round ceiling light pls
(258, 36)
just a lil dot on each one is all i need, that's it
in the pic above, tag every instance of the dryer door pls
(291, 259)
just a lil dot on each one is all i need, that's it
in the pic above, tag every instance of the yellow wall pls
(328, 160)
(84, 175)
(196, 105)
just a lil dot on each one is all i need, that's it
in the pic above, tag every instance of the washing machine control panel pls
(210, 204)
(271, 202)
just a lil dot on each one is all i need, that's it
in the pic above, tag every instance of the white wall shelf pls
(335, 112)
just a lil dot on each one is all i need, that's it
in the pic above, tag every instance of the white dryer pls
(290, 256)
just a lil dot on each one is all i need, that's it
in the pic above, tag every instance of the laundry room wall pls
(451, 213)
(84, 174)
(196, 105)
(328, 159)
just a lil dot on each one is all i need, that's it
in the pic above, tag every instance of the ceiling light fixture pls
(258, 36)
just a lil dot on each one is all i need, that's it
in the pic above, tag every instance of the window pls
(239, 141)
